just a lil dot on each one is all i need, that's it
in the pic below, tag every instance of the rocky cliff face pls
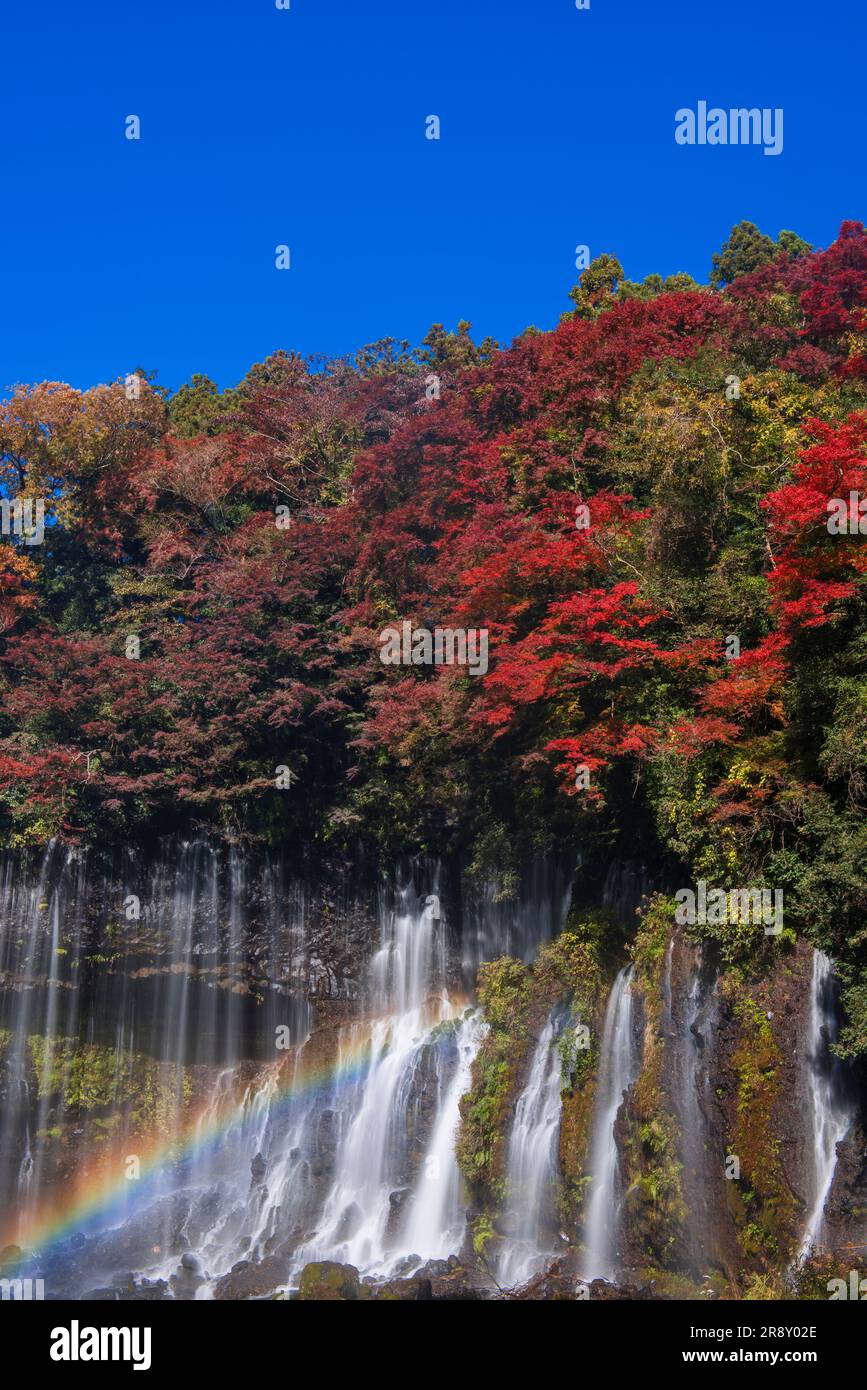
(715, 1137)
(318, 1083)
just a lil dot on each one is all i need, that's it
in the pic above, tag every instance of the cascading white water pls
(690, 1005)
(385, 1185)
(436, 1222)
(617, 1068)
(531, 1164)
(179, 982)
(35, 984)
(359, 1167)
(341, 1147)
(501, 924)
(362, 1222)
(830, 1114)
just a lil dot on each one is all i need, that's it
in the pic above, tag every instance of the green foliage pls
(495, 861)
(483, 1234)
(569, 966)
(852, 1041)
(763, 1288)
(654, 1189)
(762, 1201)
(746, 249)
(651, 941)
(84, 1079)
(200, 408)
(685, 419)
(444, 351)
(504, 995)
(597, 287)
(653, 285)
(578, 1062)
(504, 990)
(516, 1000)
(793, 245)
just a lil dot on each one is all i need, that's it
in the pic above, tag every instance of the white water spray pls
(830, 1115)
(617, 1066)
(531, 1165)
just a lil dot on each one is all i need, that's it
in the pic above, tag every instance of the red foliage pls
(260, 645)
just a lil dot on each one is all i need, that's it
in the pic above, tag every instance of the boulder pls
(249, 1279)
(329, 1282)
(414, 1290)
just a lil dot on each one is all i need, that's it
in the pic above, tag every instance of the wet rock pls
(415, 1290)
(253, 1280)
(434, 1269)
(329, 1282)
(151, 1291)
(127, 1290)
(349, 1224)
(452, 1282)
(846, 1210)
(600, 1291)
(559, 1282)
(397, 1201)
(405, 1267)
(189, 1276)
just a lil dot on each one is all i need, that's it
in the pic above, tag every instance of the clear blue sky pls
(306, 127)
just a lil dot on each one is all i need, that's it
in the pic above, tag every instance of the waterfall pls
(626, 883)
(340, 1145)
(830, 1112)
(531, 1164)
(125, 985)
(496, 923)
(395, 1196)
(690, 1006)
(617, 1071)
(37, 985)
(436, 1222)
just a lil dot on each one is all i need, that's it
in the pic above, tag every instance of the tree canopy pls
(612, 501)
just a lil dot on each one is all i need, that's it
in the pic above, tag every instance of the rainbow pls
(98, 1199)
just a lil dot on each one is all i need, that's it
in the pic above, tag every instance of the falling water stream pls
(617, 1071)
(830, 1107)
(148, 996)
(690, 1023)
(362, 1220)
(531, 1164)
(340, 1146)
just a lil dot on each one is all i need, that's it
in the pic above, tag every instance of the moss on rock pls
(760, 1198)
(655, 1207)
(504, 988)
(328, 1282)
(516, 1000)
(84, 1079)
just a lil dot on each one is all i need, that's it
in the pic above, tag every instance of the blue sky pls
(307, 127)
